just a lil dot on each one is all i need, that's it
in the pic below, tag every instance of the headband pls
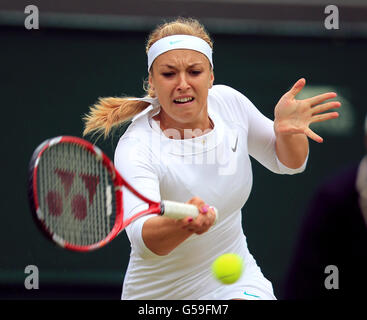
(179, 41)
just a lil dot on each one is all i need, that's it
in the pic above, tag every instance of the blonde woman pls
(191, 141)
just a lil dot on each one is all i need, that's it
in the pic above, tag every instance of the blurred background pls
(89, 49)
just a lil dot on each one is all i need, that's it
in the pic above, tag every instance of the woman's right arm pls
(161, 235)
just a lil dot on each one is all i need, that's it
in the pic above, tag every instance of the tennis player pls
(191, 141)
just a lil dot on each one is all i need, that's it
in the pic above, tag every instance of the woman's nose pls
(183, 83)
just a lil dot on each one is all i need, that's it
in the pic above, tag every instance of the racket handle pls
(179, 210)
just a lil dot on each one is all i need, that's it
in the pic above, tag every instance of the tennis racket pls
(76, 195)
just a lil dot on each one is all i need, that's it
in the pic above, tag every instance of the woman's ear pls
(150, 81)
(211, 81)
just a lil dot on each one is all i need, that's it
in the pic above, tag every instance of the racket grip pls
(179, 210)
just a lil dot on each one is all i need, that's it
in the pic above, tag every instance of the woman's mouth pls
(184, 100)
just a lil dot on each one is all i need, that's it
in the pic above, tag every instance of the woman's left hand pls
(295, 116)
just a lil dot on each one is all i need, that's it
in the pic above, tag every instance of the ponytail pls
(110, 112)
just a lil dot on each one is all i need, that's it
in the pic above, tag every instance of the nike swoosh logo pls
(235, 146)
(251, 295)
(174, 42)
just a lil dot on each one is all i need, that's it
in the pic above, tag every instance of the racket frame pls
(118, 183)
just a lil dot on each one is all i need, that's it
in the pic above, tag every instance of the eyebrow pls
(173, 67)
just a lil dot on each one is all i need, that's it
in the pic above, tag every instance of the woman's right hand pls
(162, 234)
(203, 221)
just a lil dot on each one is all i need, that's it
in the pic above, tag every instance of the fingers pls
(186, 224)
(325, 107)
(304, 112)
(297, 87)
(324, 117)
(312, 135)
(318, 118)
(196, 201)
(321, 98)
(203, 221)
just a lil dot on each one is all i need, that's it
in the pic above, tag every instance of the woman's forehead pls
(181, 57)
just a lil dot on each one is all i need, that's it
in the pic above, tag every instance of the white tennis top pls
(215, 167)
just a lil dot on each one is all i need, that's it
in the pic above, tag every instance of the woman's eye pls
(167, 74)
(171, 74)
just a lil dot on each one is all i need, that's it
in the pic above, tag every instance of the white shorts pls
(239, 291)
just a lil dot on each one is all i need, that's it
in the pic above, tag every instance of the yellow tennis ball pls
(228, 268)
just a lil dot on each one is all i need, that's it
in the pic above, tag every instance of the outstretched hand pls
(295, 116)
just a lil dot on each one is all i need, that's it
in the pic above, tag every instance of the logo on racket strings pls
(79, 204)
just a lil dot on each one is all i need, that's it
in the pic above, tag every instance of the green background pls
(49, 78)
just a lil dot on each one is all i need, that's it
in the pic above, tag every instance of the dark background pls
(82, 51)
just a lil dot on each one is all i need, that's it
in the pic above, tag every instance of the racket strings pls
(72, 194)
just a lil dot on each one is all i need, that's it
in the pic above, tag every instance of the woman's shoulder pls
(222, 89)
(138, 151)
(228, 94)
(229, 102)
(134, 139)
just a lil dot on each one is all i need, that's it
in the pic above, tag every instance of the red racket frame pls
(118, 182)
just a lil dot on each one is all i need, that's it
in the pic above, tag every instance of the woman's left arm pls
(292, 119)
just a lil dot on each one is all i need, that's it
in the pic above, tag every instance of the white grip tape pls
(179, 210)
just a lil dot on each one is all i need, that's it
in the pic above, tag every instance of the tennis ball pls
(228, 268)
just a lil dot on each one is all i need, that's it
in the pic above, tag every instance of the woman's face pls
(181, 79)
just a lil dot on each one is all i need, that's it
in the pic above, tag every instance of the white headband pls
(179, 41)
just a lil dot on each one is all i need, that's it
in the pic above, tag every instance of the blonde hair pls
(111, 112)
